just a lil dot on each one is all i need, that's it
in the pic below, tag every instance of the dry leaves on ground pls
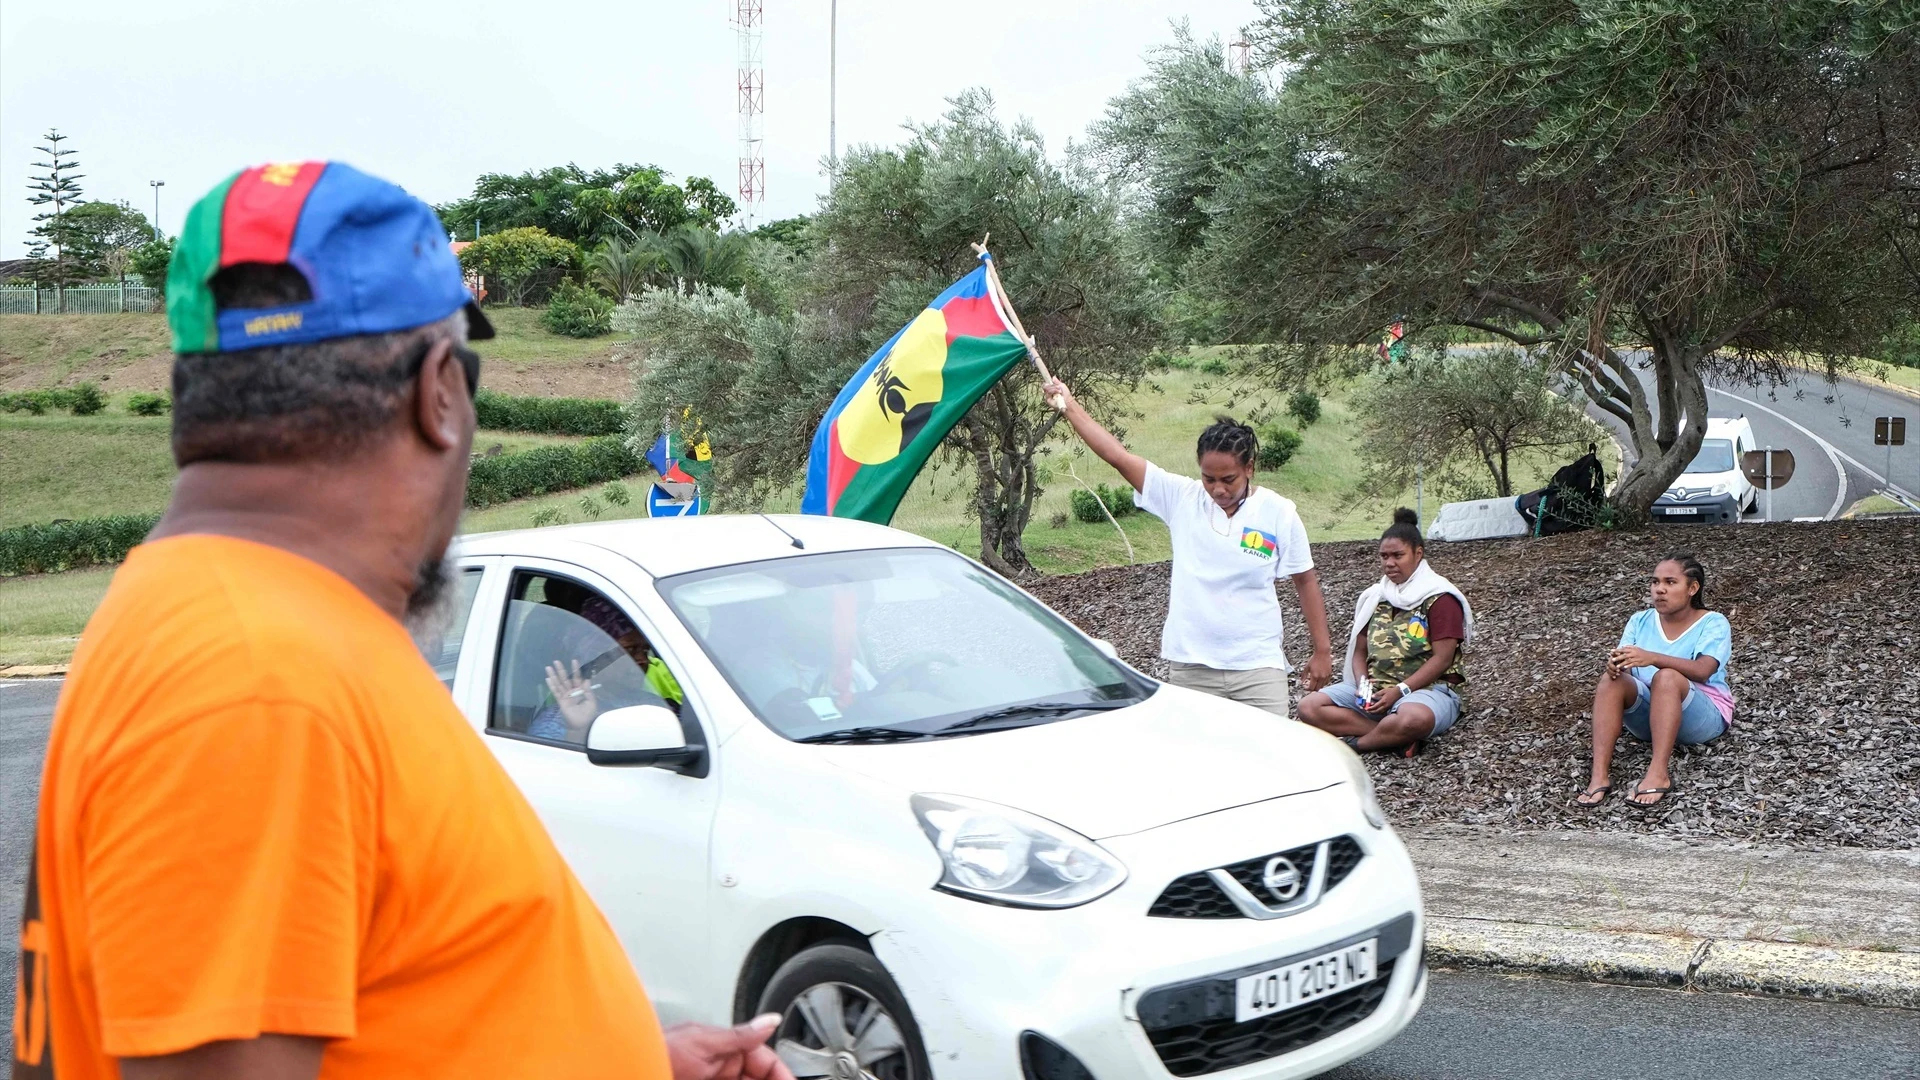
(1825, 747)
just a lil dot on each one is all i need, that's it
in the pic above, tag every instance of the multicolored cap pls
(376, 258)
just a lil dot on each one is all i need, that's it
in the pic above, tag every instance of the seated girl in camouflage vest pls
(1405, 673)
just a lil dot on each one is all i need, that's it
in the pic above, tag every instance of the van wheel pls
(843, 1018)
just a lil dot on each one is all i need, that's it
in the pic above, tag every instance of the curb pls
(33, 671)
(1770, 969)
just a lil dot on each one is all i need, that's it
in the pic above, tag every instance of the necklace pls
(1227, 518)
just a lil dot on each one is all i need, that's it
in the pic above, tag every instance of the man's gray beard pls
(429, 607)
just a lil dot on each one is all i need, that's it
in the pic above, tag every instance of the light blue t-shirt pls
(1711, 635)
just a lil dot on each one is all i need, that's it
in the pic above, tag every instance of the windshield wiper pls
(1041, 708)
(865, 734)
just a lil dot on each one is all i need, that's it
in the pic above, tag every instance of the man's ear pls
(442, 410)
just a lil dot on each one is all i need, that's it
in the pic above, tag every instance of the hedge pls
(68, 545)
(549, 416)
(1119, 500)
(83, 400)
(546, 469)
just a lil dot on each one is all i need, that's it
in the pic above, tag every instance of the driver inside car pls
(600, 676)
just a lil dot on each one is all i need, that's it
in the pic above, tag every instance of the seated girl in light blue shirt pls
(1666, 683)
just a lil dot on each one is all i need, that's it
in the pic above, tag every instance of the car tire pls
(842, 1016)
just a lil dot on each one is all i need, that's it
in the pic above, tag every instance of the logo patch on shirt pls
(1417, 626)
(1255, 542)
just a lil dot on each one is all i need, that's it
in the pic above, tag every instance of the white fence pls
(110, 299)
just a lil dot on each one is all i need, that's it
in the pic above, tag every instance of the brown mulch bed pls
(1825, 747)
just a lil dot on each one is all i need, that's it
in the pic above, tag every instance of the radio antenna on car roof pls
(783, 532)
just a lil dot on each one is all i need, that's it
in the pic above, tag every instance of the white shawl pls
(1421, 586)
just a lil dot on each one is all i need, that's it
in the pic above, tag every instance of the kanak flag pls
(887, 421)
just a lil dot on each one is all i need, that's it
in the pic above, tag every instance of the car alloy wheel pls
(842, 1017)
(841, 1032)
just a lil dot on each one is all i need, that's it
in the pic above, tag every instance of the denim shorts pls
(1700, 719)
(1439, 697)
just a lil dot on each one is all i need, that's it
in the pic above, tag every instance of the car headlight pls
(1363, 786)
(995, 853)
(1722, 488)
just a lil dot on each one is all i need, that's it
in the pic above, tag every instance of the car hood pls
(1175, 756)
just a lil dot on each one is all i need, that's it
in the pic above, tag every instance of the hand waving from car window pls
(573, 693)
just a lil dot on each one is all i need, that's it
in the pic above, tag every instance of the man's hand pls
(1382, 702)
(1320, 669)
(700, 1052)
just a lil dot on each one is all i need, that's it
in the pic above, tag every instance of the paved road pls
(1489, 1027)
(1829, 428)
(1475, 1027)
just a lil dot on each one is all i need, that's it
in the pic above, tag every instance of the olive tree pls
(1649, 190)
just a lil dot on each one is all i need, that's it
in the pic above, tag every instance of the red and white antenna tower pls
(749, 19)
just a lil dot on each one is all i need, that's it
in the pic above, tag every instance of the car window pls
(568, 654)
(917, 638)
(1715, 456)
(439, 637)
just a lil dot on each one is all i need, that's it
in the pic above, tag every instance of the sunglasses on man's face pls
(469, 362)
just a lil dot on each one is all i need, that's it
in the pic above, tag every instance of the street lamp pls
(156, 185)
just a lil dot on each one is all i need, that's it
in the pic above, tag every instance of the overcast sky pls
(432, 93)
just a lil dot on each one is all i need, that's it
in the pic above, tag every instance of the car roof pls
(667, 546)
(1726, 425)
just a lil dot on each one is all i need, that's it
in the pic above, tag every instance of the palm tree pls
(623, 269)
(694, 256)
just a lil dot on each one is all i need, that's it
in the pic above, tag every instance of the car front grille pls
(1200, 896)
(1213, 1045)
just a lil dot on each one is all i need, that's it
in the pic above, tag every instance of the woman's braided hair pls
(1229, 436)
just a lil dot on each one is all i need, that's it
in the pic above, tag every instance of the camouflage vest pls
(1397, 646)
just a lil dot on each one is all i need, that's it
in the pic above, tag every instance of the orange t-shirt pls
(261, 812)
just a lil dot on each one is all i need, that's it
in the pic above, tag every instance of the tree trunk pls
(1677, 367)
(1005, 482)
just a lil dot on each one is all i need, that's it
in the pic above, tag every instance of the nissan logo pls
(1282, 878)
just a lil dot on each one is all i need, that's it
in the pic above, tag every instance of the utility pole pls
(156, 185)
(749, 22)
(833, 92)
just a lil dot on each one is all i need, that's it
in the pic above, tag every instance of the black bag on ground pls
(1571, 498)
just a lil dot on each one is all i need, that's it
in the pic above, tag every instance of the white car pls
(838, 772)
(1713, 489)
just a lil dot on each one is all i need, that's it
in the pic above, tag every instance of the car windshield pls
(1715, 456)
(892, 644)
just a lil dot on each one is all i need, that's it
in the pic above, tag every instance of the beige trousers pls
(1262, 688)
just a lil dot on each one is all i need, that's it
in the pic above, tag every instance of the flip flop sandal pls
(1353, 742)
(1603, 791)
(1414, 749)
(1665, 794)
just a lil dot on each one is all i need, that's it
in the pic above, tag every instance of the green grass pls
(523, 340)
(41, 616)
(51, 347)
(91, 466)
(82, 466)
(1877, 504)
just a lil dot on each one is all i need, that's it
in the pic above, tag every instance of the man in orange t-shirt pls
(269, 845)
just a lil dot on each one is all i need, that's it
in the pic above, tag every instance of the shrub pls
(1214, 365)
(1304, 406)
(590, 506)
(550, 516)
(546, 469)
(1086, 506)
(86, 400)
(83, 400)
(144, 404)
(616, 494)
(577, 311)
(1180, 361)
(66, 545)
(1277, 447)
(549, 416)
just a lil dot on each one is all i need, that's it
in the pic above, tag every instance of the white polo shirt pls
(1222, 611)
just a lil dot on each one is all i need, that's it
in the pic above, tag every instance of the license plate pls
(1681, 509)
(1296, 984)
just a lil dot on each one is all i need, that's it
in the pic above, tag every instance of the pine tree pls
(59, 189)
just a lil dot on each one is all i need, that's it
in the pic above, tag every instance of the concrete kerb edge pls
(33, 671)
(1855, 976)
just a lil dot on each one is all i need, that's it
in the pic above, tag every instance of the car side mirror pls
(643, 735)
(1106, 648)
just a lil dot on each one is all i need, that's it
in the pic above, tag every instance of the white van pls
(1713, 489)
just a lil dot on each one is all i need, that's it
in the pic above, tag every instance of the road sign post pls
(1889, 431)
(1767, 469)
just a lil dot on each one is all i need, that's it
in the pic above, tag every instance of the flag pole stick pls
(998, 290)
